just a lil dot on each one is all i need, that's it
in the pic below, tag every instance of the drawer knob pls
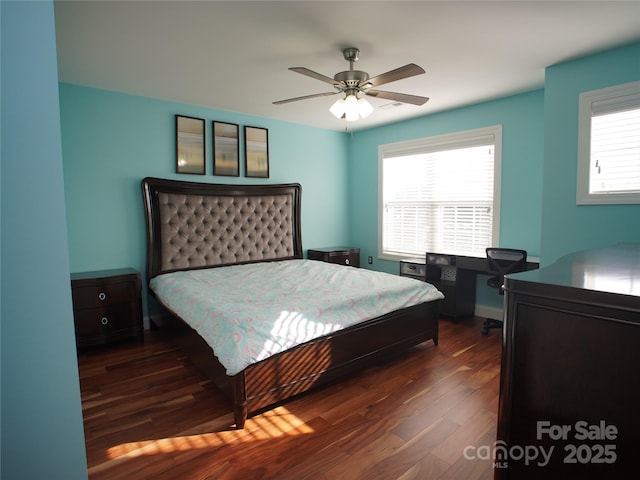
(102, 295)
(104, 320)
(347, 261)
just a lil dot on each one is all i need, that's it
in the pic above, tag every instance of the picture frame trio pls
(190, 148)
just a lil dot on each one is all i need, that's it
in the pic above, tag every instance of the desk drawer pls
(413, 269)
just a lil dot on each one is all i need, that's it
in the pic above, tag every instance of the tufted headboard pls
(198, 225)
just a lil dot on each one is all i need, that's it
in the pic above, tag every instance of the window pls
(440, 194)
(609, 146)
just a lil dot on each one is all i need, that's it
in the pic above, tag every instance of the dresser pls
(341, 255)
(570, 374)
(107, 306)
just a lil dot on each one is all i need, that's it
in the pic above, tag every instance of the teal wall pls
(112, 140)
(567, 227)
(42, 435)
(521, 117)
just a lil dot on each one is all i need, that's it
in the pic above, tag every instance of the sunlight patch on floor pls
(460, 352)
(272, 424)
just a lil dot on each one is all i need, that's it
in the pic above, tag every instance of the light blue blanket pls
(247, 313)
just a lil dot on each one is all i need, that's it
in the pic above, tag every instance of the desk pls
(455, 276)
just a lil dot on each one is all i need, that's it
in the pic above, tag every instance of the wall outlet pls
(370, 259)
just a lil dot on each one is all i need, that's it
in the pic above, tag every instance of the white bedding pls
(247, 313)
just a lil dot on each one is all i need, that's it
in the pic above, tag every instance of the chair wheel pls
(486, 325)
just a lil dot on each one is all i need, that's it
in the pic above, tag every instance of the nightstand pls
(107, 306)
(341, 255)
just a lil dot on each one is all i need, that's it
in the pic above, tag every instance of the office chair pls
(501, 261)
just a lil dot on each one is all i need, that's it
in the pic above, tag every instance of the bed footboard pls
(307, 366)
(331, 357)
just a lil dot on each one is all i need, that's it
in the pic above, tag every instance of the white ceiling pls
(234, 55)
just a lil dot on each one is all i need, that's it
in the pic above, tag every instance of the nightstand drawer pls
(340, 255)
(345, 258)
(101, 293)
(103, 321)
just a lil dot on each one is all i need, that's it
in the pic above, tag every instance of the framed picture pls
(256, 152)
(226, 149)
(190, 145)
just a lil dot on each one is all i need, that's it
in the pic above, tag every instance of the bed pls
(221, 238)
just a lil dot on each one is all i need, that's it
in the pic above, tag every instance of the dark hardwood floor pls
(149, 414)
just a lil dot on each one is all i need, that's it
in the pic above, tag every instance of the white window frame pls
(442, 142)
(611, 99)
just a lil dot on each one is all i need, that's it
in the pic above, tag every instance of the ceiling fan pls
(353, 82)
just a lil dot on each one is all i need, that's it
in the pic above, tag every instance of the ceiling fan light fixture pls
(351, 110)
(364, 108)
(337, 109)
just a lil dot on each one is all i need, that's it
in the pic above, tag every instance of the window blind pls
(609, 146)
(615, 152)
(441, 199)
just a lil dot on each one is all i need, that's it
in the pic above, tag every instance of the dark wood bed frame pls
(263, 222)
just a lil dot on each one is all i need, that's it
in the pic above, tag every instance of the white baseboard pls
(486, 311)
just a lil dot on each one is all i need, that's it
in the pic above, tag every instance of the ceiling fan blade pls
(312, 74)
(407, 71)
(398, 97)
(305, 97)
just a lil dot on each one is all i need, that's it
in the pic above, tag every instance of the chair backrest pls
(501, 261)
